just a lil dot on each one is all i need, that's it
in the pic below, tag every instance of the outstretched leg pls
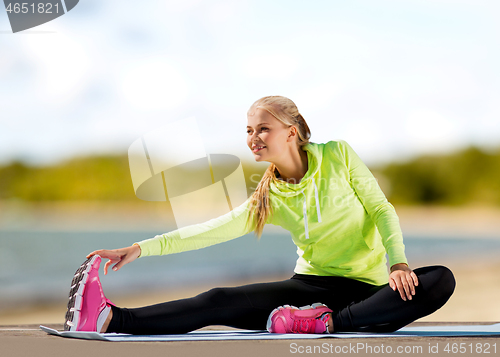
(232, 306)
(245, 307)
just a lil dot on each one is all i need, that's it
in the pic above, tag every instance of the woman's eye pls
(262, 128)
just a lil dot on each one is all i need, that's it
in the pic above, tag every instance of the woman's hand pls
(119, 256)
(404, 280)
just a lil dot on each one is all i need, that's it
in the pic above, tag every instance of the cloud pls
(62, 64)
(154, 83)
(427, 130)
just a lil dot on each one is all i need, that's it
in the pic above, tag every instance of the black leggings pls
(357, 306)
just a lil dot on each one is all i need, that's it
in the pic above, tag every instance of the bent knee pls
(447, 280)
(443, 283)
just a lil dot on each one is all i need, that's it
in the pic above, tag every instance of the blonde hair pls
(286, 112)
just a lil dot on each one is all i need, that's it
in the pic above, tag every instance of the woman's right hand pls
(119, 257)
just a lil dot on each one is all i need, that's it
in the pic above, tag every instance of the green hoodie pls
(339, 219)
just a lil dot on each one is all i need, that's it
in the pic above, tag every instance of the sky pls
(395, 79)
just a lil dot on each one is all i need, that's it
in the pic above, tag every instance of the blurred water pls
(37, 267)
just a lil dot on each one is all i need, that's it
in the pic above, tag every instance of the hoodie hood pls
(285, 189)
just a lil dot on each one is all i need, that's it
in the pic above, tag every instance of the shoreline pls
(425, 221)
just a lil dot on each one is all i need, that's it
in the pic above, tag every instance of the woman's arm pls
(401, 278)
(226, 227)
(373, 199)
(221, 229)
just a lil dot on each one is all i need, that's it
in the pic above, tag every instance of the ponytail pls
(260, 203)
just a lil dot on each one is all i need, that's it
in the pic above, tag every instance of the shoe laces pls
(308, 325)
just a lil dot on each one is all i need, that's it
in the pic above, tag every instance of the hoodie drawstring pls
(304, 208)
(317, 200)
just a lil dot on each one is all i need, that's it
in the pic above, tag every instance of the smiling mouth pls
(258, 148)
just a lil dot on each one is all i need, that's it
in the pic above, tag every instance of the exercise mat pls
(207, 335)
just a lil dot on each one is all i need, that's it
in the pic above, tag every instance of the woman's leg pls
(385, 311)
(377, 309)
(246, 307)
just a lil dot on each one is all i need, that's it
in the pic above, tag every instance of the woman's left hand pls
(404, 280)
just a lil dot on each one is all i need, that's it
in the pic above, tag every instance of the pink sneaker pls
(86, 299)
(306, 319)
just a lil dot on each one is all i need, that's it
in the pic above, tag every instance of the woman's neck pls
(295, 169)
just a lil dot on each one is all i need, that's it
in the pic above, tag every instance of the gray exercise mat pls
(438, 331)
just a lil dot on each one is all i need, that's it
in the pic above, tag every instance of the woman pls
(339, 219)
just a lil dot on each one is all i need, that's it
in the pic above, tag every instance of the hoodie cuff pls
(151, 246)
(396, 255)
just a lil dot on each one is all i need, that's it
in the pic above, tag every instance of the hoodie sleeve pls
(226, 227)
(373, 199)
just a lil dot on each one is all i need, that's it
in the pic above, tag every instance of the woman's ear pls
(293, 133)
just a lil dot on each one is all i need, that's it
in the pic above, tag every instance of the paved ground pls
(28, 340)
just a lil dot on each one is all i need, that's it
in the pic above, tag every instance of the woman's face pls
(267, 136)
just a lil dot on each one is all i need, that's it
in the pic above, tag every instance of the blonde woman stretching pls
(339, 219)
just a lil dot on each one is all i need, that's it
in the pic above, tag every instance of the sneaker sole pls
(76, 293)
(269, 319)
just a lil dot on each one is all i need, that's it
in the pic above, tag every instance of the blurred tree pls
(470, 176)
